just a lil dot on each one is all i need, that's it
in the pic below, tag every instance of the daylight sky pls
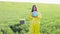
(35, 1)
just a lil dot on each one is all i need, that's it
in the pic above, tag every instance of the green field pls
(11, 13)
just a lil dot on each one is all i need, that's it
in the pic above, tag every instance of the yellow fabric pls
(34, 24)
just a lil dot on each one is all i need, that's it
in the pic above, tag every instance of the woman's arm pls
(29, 16)
(39, 16)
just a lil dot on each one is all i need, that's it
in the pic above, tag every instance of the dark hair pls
(33, 8)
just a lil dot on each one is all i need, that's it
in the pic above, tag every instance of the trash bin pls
(22, 21)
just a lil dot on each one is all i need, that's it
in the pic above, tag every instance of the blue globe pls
(35, 14)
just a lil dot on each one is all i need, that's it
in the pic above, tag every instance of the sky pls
(35, 1)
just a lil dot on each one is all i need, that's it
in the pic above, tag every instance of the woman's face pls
(34, 8)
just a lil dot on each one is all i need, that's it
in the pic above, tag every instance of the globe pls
(34, 13)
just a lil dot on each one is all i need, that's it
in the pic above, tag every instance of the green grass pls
(11, 13)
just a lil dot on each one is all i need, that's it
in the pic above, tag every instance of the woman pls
(34, 21)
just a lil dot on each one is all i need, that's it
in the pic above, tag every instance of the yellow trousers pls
(34, 28)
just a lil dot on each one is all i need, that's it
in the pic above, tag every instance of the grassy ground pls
(11, 13)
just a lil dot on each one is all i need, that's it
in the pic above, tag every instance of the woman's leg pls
(31, 28)
(37, 28)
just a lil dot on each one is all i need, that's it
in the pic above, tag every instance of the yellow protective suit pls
(35, 24)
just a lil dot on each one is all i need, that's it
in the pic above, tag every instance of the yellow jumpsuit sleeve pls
(30, 16)
(39, 16)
